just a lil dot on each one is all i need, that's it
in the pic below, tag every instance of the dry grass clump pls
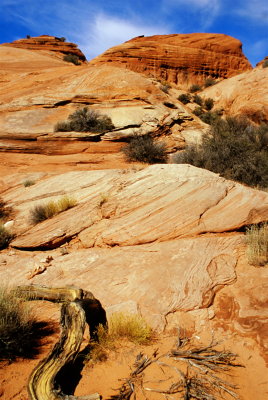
(20, 332)
(5, 237)
(257, 244)
(28, 182)
(131, 327)
(41, 212)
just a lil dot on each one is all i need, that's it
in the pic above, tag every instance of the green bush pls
(72, 58)
(145, 149)
(195, 88)
(209, 82)
(20, 332)
(184, 98)
(41, 212)
(233, 148)
(85, 120)
(265, 64)
(257, 244)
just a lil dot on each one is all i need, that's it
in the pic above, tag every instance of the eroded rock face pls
(158, 203)
(48, 43)
(245, 94)
(38, 91)
(180, 58)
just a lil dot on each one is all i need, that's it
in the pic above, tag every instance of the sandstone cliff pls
(245, 94)
(46, 43)
(180, 58)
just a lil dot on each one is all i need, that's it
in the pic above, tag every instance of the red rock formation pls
(48, 43)
(180, 58)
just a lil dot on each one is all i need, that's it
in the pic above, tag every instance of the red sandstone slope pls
(180, 58)
(48, 43)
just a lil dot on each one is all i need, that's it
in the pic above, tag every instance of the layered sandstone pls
(38, 91)
(180, 58)
(246, 94)
(48, 44)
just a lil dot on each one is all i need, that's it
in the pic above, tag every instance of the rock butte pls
(46, 43)
(180, 58)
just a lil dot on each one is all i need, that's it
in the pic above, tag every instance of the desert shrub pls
(198, 100)
(72, 58)
(28, 182)
(257, 244)
(169, 105)
(209, 103)
(145, 149)
(41, 212)
(20, 332)
(195, 88)
(5, 237)
(198, 111)
(85, 120)
(233, 148)
(265, 64)
(184, 98)
(209, 82)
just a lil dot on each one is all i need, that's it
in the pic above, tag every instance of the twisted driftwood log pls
(78, 307)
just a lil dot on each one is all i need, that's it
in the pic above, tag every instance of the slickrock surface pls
(180, 58)
(245, 94)
(48, 43)
(34, 99)
(164, 241)
(158, 203)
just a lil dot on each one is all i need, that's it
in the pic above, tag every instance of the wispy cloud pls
(253, 9)
(107, 31)
(203, 12)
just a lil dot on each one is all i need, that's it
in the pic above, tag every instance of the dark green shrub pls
(184, 98)
(145, 149)
(195, 88)
(5, 237)
(209, 82)
(72, 58)
(198, 100)
(235, 149)
(265, 64)
(20, 332)
(209, 103)
(85, 120)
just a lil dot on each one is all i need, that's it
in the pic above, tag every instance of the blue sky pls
(100, 24)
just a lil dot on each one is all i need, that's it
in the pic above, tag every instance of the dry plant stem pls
(42, 383)
(75, 312)
(204, 386)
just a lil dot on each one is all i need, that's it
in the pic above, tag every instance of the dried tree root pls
(75, 312)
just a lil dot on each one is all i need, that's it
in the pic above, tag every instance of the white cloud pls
(107, 31)
(253, 9)
(204, 11)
